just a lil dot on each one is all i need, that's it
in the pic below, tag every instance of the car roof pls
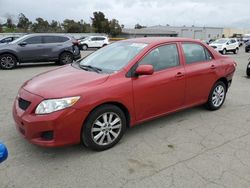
(156, 40)
(46, 34)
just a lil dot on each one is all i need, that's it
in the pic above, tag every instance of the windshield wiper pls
(89, 67)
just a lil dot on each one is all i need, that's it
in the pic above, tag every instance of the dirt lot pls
(192, 148)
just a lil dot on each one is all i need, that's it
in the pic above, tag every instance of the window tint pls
(195, 53)
(34, 40)
(162, 57)
(100, 38)
(9, 39)
(54, 39)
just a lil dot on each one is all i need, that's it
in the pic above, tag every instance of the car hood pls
(63, 82)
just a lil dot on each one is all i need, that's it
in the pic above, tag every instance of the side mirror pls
(144, 70)
(227, 43)
(3, 153)
(22, 44)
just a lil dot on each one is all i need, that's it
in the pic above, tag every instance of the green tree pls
(114, 27)
(40, 26)
(23, 23)
(55, 27)
(70, 26)
(100, 23)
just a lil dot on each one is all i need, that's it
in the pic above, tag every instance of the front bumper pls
(65, 125)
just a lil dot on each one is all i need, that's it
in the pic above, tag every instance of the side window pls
(50, 39)
(34, 40)
(162, 57)
(195, 53)
(7, 40)
(63, 39)
(93, 39)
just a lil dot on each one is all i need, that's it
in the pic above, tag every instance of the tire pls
(246, 50)
(8, 61)
(99, 136)
(217, 96)
(224, 51)
(236, 51)
(66, 58)
(84, 47)
(104, 45)
(248, 69)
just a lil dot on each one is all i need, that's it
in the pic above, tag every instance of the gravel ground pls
(192, 148)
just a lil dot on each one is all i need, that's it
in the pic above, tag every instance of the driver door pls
(163, 91)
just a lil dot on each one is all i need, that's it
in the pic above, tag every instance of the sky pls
(217, 13)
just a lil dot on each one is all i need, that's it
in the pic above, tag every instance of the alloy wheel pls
(7, 62)
(218, 96)
(106, 128)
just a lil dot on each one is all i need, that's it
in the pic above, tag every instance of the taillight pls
(75, 42)
(235, 64)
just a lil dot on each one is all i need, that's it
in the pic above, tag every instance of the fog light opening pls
(47, 135)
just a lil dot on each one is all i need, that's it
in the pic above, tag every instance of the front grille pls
(23, 104)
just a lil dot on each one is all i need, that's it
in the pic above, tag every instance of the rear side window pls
(162, 57)
(34, 40)
(195, 53)
(54, 39)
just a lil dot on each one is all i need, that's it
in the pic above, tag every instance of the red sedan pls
(94, 100)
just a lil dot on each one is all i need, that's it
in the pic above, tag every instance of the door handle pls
(179, 74)
(213, 67)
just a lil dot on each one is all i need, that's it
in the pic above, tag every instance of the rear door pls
(33, 50)
(201, 74)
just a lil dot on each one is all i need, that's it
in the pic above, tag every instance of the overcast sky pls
(222, 13)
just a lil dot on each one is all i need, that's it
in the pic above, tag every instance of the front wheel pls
(236, 51)
(7, 61)
(248, 69)
(217, 96)
(104, 127)
(224, 51)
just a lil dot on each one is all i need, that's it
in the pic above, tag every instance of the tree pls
(55, 27)
(23, 23)
(138, 26)
(100, 23)
(114, 27)
(70, 26)
(9, 23)
(41, 26)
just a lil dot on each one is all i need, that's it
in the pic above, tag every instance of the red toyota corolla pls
(94, 100)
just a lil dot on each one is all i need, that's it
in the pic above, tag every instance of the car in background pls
(39, 48)
(94, 100)
(246, 38)
(247, 46)
(248, 68)
(3, 153)
(94, 42)
(225, 45)
(9, 39)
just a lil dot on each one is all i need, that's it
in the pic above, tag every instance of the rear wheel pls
(217, 96)
(248, 69)
(104, 127)
(66, 58)
(7, 61)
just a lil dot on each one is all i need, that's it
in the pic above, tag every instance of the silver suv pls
(39, 48)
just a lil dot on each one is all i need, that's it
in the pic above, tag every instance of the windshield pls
(113, 57)
(220, 41)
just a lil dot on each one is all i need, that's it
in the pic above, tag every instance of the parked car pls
(3, 153)
(94, 100)
(240, 41)
(9, 39)
(248, 68)
(94, 42)
(225, 45)
(247, 46)
(39, 48)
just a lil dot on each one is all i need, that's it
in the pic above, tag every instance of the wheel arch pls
(224, 80)
(10, 53)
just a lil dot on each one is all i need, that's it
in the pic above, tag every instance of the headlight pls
(52, 105)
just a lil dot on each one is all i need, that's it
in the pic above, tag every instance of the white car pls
(225, 45)
(94, 42)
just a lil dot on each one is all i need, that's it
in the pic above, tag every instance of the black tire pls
(84, 47)
(104, 45)
(8, 61)
(224, 51)
(66, 58)
(236, 51)
(91, 130)
(246, 50)
(248, 69)
(210, 102)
